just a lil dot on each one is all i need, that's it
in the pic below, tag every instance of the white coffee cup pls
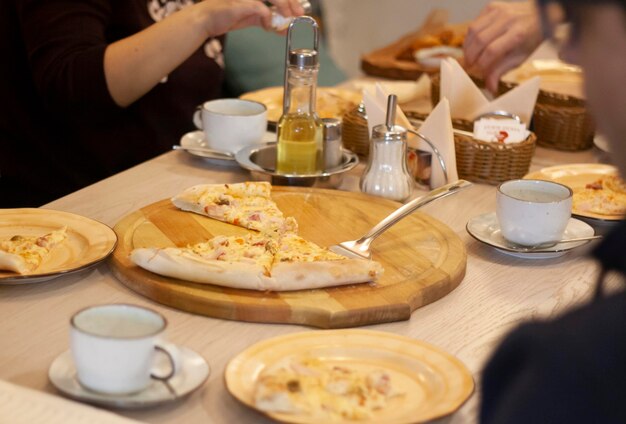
(531, 212)
(231, 124)
(113, 347)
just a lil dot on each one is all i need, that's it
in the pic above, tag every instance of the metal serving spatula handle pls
(364, 242)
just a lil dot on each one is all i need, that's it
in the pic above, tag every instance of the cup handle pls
(173, 355)
(197, 117)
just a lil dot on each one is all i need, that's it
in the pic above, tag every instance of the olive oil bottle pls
(300, 130)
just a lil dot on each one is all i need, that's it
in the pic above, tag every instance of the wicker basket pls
(487, 162)
(560, 122)
(355, 132)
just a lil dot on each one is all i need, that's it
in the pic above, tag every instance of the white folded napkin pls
(468, 102)
(437, 128)
(22, 405)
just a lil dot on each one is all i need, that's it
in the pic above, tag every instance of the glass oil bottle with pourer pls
(300, 130)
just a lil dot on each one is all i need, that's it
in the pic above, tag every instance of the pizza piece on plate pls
(605, 196)
(301, 264)
(24, 254)
(247, 205)
(257, 262)
(311, 387)
(238, 262)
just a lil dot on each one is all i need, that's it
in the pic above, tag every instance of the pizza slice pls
(237, 261)
(247, 205)
(605, 196)
(24, 254)
(257, 262)
(321, 390)
(301, 264)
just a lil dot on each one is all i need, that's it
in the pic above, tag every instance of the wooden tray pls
(386, 62)
(423, 260)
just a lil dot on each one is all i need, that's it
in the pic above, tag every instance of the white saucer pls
(485, 228)
(193, 374)
(196, 139)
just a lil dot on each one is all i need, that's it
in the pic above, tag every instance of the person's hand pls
(501, 38)
(228, 15)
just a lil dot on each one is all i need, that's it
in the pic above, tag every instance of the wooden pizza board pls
(423, 259)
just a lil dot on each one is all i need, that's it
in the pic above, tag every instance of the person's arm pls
(501, 38)
(134, 65)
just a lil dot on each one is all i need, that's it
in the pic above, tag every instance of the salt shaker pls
(387, 174)
(280, 22)
(332, 143)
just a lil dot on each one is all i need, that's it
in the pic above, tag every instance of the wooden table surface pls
(498, 292)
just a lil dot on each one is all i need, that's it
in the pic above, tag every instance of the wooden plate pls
(88, 242)
(393, 61)
(434, 382)
(331, 102)
(423, 260)
(576, 177)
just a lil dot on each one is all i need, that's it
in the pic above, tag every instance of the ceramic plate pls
(88, 242)
(435, 383)
(193, 374)
(485, 228)
(577, 176)
(331, 102)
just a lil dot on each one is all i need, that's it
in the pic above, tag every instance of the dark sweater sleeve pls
(571, 370)
(65, 41)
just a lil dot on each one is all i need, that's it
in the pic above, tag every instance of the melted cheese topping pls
(606, 196)
(245, 204)
(294, 248)
(312, 387)
(247, 249)
(33, 249)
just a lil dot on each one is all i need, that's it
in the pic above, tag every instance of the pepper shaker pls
(386, 174)
(332, 143)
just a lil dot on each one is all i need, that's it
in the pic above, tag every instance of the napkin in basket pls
(468, 102)
(437, 128)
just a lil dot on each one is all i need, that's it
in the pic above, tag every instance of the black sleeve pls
(570, 370)
(65, 42)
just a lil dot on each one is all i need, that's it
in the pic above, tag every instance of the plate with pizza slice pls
(599, 192)
(343, 376)
(41, 244)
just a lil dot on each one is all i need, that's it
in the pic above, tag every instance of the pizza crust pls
(13, 262)
(177, 263)
(318, 274)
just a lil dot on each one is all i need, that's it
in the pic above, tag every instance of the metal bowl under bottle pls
(260, 160)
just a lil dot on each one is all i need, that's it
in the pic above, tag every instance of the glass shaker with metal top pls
(333, 150)
(280, 22)
(300, 130)
(387, 174)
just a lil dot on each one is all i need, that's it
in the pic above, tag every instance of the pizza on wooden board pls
(24, 254)
(273, 258)
(257, 262)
